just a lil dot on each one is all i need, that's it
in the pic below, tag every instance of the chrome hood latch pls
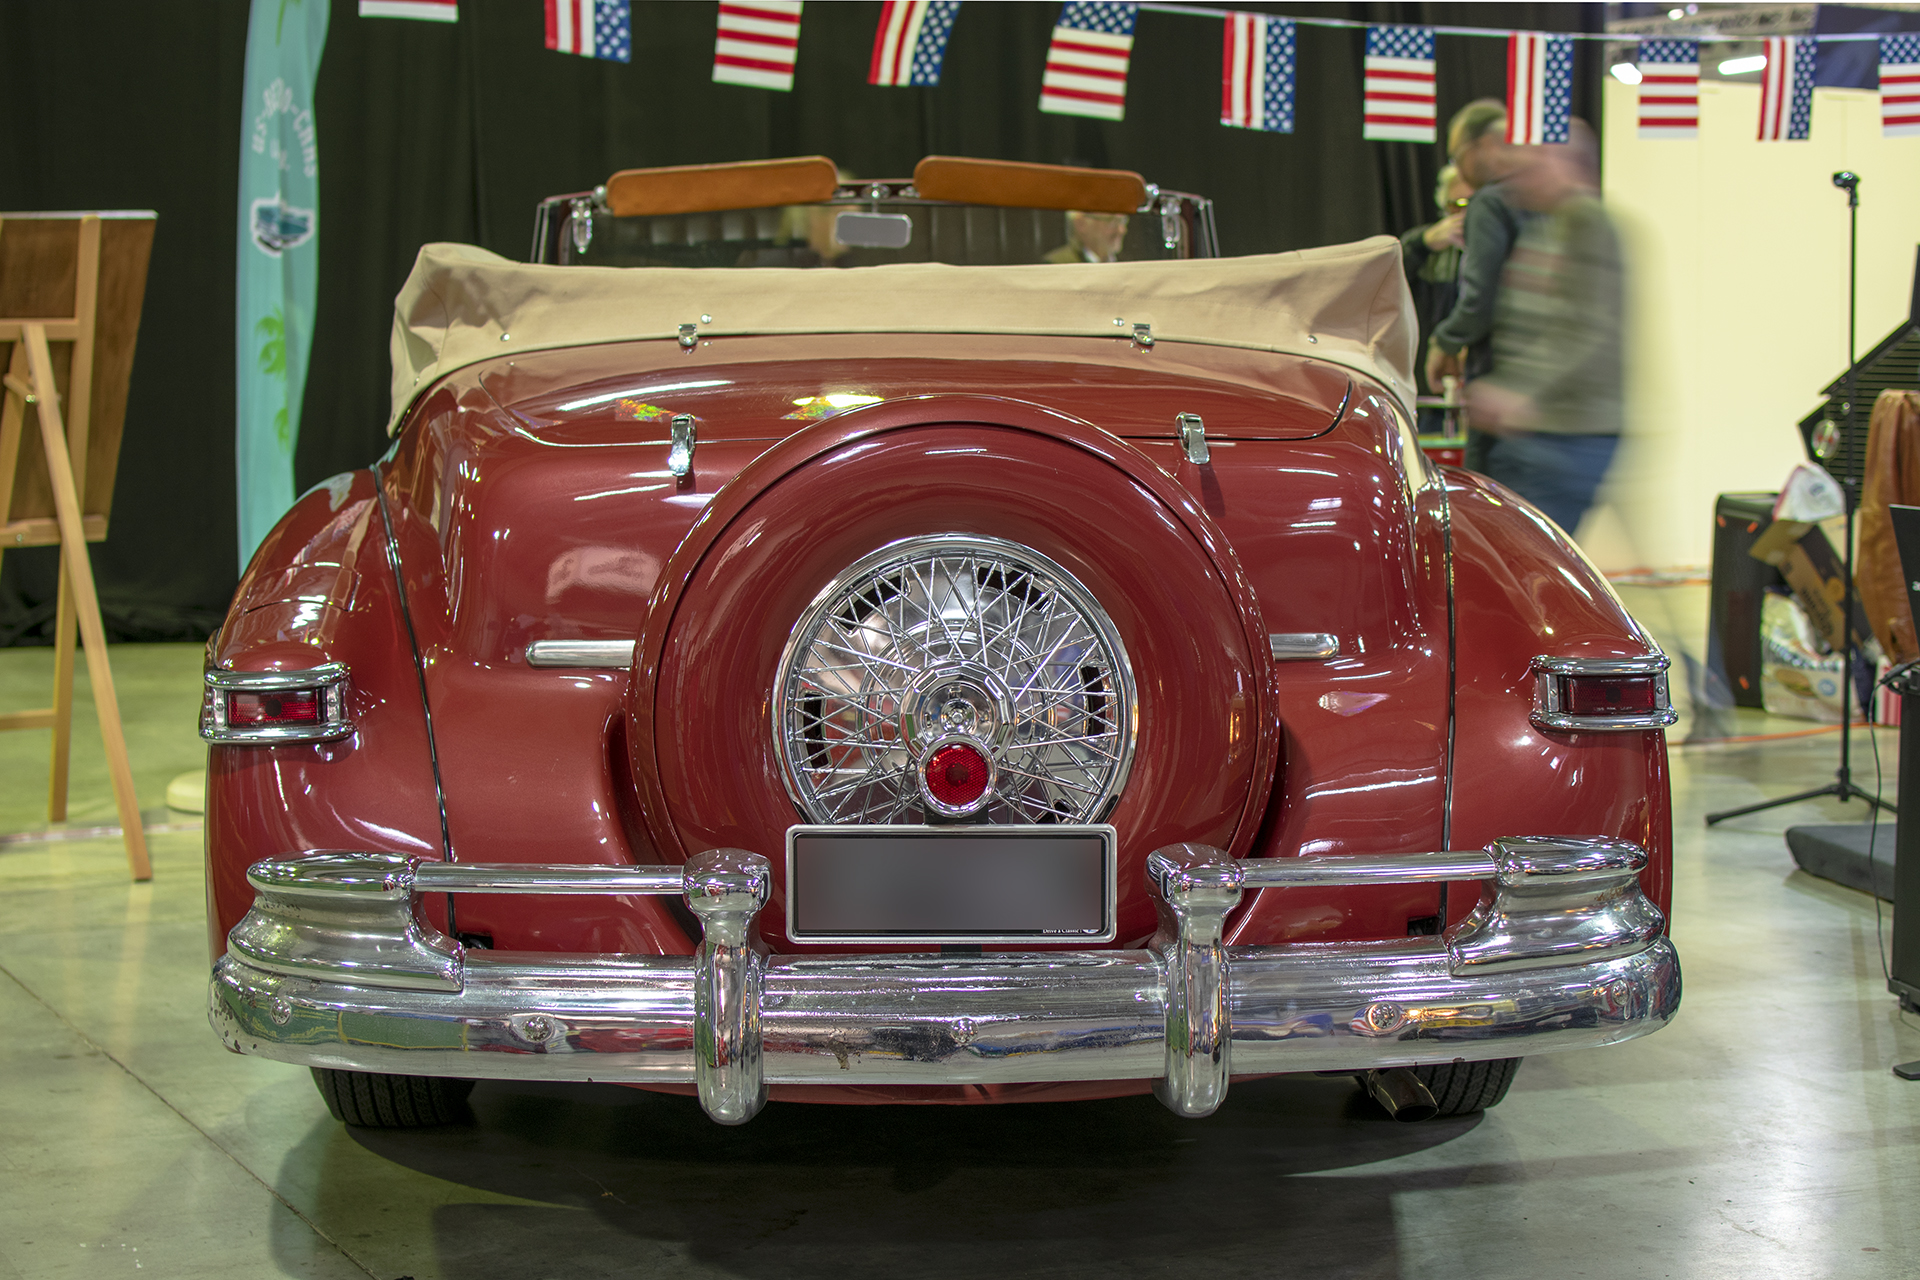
(1193, 438)
(680, 451)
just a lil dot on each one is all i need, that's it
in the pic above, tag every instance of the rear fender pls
(1521, 588)
(320, 590)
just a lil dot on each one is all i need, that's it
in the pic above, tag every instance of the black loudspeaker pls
(1904, 967)
(1739, 585)
(1837, 440)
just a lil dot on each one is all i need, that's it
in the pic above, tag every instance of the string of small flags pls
(756, 43)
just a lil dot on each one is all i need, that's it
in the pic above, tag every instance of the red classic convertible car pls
(948, 640)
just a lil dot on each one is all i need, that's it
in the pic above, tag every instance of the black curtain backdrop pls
(430, 131)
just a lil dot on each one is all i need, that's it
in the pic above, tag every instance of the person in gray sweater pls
(1554, 397)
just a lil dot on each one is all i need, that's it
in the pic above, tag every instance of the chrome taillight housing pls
(1601, 694)
(265, 707)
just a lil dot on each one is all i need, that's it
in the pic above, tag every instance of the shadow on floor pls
(1119, 1186)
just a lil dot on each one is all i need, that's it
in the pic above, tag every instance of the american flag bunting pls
(1399, 85)
(1087, 60)
(1539, 87)
(418, 10)
(592, 28)
(911, 41)
(756, 43)
(1258, 73)
(1786, 89)
(1900, 86)
(1669, 88)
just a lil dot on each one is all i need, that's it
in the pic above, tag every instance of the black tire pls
(391, 1102)
(1462, 1088)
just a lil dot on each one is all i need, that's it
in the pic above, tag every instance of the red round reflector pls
(957, 775)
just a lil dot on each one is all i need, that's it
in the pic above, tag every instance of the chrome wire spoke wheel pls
(954, 639)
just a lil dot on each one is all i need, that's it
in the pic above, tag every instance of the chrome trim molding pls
(948, 634)
(335, 967)
(1548, 712)
(329, 679)
(608, 654)
(1289, 646)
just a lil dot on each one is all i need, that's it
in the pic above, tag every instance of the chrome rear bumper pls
(333, 967)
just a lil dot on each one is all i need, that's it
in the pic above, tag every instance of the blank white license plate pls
(950, 884)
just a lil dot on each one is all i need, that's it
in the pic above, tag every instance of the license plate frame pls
(1081, 860)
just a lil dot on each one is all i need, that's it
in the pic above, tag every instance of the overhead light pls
(1740, 66)
(1676, 14)
(1625, 72)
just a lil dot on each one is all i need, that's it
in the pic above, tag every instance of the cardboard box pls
(1818, 579)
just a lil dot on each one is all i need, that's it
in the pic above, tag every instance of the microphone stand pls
(1842, 787)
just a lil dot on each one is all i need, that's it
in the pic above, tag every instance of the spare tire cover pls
(705, 700)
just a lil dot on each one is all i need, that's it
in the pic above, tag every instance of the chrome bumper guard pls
(334, 967)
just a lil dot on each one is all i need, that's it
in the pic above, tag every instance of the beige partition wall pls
(1739, 253)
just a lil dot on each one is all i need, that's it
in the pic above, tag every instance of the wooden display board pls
(71, 288)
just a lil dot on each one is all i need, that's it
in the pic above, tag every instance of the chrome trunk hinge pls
(1143, 334)
(680, 451)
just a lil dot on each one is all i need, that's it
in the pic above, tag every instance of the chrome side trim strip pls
(1548, 712)
(334, 967)
(580, 653)
(1288, 646)
(1361, 868)
(544, 878)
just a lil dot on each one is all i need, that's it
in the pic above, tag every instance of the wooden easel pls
(70, 285)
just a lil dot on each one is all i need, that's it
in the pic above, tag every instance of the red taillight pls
(957, 775)
(1609, 695)
(282, 706)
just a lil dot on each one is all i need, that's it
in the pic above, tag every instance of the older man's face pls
(1101, 234)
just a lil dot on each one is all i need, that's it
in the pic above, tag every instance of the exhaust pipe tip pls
(1401, 1094)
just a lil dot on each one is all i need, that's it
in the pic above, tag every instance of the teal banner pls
(279, 252)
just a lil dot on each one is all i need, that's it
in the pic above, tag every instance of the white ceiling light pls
(1740, 66)
(1625, 72)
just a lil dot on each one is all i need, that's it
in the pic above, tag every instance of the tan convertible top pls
(1347, 304)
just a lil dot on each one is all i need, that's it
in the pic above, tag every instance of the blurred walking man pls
(1554, 398)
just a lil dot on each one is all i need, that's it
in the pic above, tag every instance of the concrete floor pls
(1760, 1135)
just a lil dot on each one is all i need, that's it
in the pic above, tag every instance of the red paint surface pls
(1523, 589)
(519, 519)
